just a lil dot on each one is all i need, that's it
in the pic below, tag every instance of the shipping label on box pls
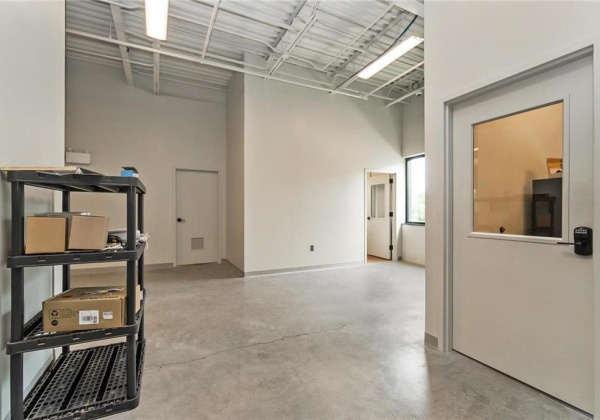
(87, 308)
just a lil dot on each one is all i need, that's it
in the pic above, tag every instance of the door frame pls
(445, 121)
(220, 219)
(393, 192)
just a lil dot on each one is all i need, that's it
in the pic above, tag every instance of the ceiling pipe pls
(408, 95)
(357, 37)
(290, 21)
(197, 22)
(246, 15)
(211, 25)
(206, 62)
(121, 5)
(371, 42)
(117, 19)
(313, 66)
(209, 55)
(400, 76)
(110, 57)
(291, 47)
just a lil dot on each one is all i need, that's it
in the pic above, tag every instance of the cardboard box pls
(59, 232)
(88, 232)
(87, 308)
(46, 235)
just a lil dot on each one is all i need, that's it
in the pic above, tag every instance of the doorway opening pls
(381, 217)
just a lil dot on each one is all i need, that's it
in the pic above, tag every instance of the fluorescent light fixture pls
(157, 16)
(389, 57)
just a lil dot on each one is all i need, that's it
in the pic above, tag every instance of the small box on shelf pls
(58, 232)
(46, 235)
(87, 308)
(129, 171)
(88, 233)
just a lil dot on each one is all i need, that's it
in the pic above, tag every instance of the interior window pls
(517, 173)
(378, 201)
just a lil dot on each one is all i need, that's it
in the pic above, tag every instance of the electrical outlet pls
(312, 248)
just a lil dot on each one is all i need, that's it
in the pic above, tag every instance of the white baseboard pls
(300, 269)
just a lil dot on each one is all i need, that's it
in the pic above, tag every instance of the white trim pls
(220, 219)
(294, 270)
(596, 76)
(515, 238)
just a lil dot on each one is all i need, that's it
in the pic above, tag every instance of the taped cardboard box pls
(87, 308)
(46, 235)
(58, 232)
(88, 233)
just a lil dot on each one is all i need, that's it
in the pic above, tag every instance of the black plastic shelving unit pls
(96, 381)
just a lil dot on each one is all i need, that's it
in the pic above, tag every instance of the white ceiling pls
(320, 44)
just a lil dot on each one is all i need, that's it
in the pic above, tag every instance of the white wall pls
(305, 157)
(537, 30)
(31, 133)
(122, 125)
(235, 171)
(413, 244)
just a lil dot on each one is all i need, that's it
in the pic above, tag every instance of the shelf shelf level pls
(86, 182)
(36, 339)
(85, 384)
(74, 258)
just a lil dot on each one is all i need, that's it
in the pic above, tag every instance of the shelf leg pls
(16, 387)
(131, 288)
(17, 313)
(140, 267)
(66, 269)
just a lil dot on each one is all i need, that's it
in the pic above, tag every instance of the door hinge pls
(391, 214)
(391, 180)
(391, 247)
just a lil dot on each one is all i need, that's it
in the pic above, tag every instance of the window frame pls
(407, 190)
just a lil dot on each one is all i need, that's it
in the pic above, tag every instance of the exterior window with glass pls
(517, 173)
(415, 190)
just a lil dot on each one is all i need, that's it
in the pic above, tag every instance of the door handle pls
(368, 218)
(584, 240)
(179, 219)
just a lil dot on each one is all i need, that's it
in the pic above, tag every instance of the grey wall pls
(31, 133)
(235, 171)
(413, 126)
(122, 125)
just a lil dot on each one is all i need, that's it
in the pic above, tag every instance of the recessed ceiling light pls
(389, 57)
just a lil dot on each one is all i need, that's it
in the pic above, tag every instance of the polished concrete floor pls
(331, 344)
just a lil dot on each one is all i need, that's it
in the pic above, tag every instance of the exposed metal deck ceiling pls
(319, 44)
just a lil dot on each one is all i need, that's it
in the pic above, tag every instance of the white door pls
(521, 303)
(197, 213)
(379, 231)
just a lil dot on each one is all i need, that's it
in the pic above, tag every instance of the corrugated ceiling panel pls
(347, 36)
